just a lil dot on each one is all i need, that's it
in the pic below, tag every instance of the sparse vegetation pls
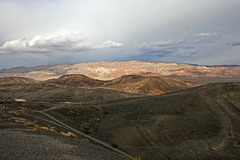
(35, 128)
(49, 129)
(140, 123)
(86, 129)
(114, 145)
(69, 134)
(3, 107)
(105, 112)
(27, 123)
(14, 113)
(137, 158)
(85, 140)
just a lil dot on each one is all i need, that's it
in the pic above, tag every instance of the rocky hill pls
(130, 84)
(76, 80)
(147, 85)
(80, 88)
(112, 70)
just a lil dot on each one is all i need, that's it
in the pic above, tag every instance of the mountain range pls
(112, 70)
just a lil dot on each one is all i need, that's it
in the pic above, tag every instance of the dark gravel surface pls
(19, 142)
(198, 123)
(16, 144)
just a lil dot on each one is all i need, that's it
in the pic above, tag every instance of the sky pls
(49, 32)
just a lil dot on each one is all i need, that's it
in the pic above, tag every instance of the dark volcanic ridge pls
(196, 123)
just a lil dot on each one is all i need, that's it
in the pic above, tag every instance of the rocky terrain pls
(130, 117)
(112, 70)
(27, 133)
(195, 123)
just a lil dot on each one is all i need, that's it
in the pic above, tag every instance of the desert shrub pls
(114, 145)
(35, 128)
(137, 158)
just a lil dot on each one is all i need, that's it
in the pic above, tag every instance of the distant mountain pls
(16, 80)
(112, 70)
(76, 80)
(129, 84)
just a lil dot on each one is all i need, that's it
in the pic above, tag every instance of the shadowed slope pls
(202, 123)
(55, 93)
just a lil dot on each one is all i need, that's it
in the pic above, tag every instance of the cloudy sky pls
(73, 31)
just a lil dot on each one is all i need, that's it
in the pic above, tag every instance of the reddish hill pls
(130, 84)
(111, 70)
(148, 85)
(76, 80)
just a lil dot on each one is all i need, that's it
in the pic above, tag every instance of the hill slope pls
(80, 88)
(197, 123)
(129, 84)
(56, 93)
(147, 85)
(76, 80)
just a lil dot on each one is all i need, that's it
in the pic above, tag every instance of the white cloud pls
(207, 37)
(141, 45)
(64, 41)
(18, 46)
(115, 20)
(15, 44)
(111, 44)
(207, 34)
(163, 43)
(180, 41)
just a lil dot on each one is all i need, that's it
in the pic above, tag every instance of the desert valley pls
(120, 110)
(119, 80)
